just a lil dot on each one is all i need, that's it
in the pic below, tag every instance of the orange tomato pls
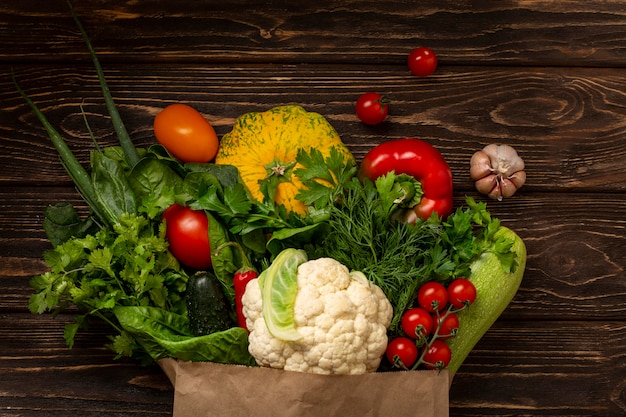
(185, 133)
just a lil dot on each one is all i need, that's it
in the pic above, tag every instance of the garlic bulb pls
(498, 171)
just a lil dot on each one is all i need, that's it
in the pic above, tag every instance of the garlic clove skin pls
(485, 184)
(498, 171)
(480, 165)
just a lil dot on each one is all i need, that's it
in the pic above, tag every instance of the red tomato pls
(438, 355)
(432, 296)
(417, 323)
(461, 292)
(422, 61)
(448, 325)
(371, 108)
(187, 232)
(402, 352)
(186, 134)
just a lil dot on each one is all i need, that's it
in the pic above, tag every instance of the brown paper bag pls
(216, 390)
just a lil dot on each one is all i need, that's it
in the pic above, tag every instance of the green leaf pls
(163, 334)
(227, 175)
(71, 329)
(112, 188)
(225, 262)
(154, 185)
(323, 177)
(278, 292)
(62, 222)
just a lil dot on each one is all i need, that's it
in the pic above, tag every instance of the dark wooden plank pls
(518, 368)
(544, 369)
(42, 377)
(568, 124)
(492, 33)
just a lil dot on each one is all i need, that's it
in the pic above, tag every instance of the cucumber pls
(495, 288)
(207, 308)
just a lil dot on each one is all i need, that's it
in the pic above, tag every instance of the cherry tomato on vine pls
(448, 325)
(438, 355)
(422, 61)
(461, 292)
(371, 108)
(432, 296)
(417, 323)
(402, 352)
(185, 133)
(187, 233)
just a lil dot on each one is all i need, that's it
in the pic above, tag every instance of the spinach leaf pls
(227, 175)
(111, 187)
(62, 222)
(154, 184)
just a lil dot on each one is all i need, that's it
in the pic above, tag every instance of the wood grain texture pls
(569, 122)
(555, 33)
(544, 76)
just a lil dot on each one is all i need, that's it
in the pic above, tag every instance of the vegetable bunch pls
(136, 263)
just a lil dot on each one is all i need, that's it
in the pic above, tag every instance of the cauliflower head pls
(340, 316)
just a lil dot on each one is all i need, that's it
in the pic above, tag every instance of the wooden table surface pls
(547, 77)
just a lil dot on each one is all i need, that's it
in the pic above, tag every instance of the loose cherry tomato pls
(461, 292)
(417, 323)
(185, 133)
(402, 352)
(438, 355)
(432, 296)
(371, 108)
(422, 61)
(448, 325)
(187, 232)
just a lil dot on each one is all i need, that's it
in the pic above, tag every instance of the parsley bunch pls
(128, 265)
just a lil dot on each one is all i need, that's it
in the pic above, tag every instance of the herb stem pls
(77, 173)
(130, 153)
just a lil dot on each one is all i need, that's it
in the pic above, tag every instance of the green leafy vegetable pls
(400, 257)
(167, 335)
(126, 266)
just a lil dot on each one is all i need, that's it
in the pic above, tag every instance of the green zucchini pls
(495, 288)
(207, 308)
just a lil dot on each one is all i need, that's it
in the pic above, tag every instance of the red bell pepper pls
(420, 160)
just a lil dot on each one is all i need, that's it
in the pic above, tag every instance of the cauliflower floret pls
(341, 316)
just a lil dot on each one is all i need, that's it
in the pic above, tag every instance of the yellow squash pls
(264, 144)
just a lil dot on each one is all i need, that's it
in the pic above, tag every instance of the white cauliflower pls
(340, 317)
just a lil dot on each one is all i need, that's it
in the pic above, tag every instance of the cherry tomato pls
(185, 133)
(438, 355)
(372, 108)
(187, 232)
(422, 61)
(417, 323)
(402, 352)
(448, 325)
(432, 296)
(461, 292)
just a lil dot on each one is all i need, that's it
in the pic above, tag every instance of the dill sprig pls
(396, 256)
